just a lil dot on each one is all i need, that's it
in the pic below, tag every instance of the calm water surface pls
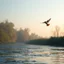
(30, 54)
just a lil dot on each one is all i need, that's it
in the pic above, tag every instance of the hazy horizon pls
(30, 14)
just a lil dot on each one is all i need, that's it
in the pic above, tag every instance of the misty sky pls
(30, 14)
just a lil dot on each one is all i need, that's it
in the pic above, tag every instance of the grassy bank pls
(53, 41)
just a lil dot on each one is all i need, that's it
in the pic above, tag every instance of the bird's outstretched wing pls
(48, 20)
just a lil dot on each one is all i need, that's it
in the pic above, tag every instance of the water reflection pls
(30, 54)
(57, 56)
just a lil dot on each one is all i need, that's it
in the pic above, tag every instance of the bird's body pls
(47, 22)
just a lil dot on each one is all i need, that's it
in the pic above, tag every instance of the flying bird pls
(47, 22)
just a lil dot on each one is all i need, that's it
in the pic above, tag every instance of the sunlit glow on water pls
(31, 54)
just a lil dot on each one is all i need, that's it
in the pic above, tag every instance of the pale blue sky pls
(30, 14)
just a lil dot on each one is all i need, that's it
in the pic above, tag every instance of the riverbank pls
(53, 41)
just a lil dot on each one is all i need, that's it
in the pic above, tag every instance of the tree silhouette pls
(56, 32)
(7, 32)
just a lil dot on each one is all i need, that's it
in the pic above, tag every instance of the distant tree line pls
(9, 34)
(23, 35)
(52, 41)
(57, 32)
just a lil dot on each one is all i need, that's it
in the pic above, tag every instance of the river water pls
(18, 53)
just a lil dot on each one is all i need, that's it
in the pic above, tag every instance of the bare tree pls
(56, 32)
